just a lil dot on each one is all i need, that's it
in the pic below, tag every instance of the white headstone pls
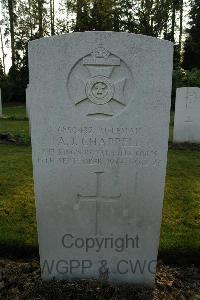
(187, 115)
(1, 111)
(100, 104)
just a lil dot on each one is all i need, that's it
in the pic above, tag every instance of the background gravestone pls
(187, 115)
(99, 110)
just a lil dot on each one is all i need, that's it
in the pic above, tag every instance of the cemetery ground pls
(177, 273)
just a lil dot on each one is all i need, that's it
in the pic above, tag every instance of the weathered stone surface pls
(187, 115)
(99, 113)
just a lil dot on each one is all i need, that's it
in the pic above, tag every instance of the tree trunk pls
(3, 53)
(52, 17)
(181, 25)
(40, 17)
(173, 20)
(30, 18)
(79, 15)
(12, 34)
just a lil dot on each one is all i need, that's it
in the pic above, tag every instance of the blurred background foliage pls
(26, 20)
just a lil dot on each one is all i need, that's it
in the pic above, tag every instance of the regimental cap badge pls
(101, 57)
(100, 52)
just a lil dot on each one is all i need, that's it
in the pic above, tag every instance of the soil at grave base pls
(20, 280)
(8, 138)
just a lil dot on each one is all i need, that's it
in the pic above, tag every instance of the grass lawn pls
(16, 123)
(180, 228)
(17, 112)
(17, 209)
(181, 213)
(15, 127)
(180, 232)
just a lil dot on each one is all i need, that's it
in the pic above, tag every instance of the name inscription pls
(108, 146)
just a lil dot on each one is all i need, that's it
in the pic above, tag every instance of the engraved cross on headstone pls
(98, 198)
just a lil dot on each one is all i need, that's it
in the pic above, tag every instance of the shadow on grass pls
(18, 252)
